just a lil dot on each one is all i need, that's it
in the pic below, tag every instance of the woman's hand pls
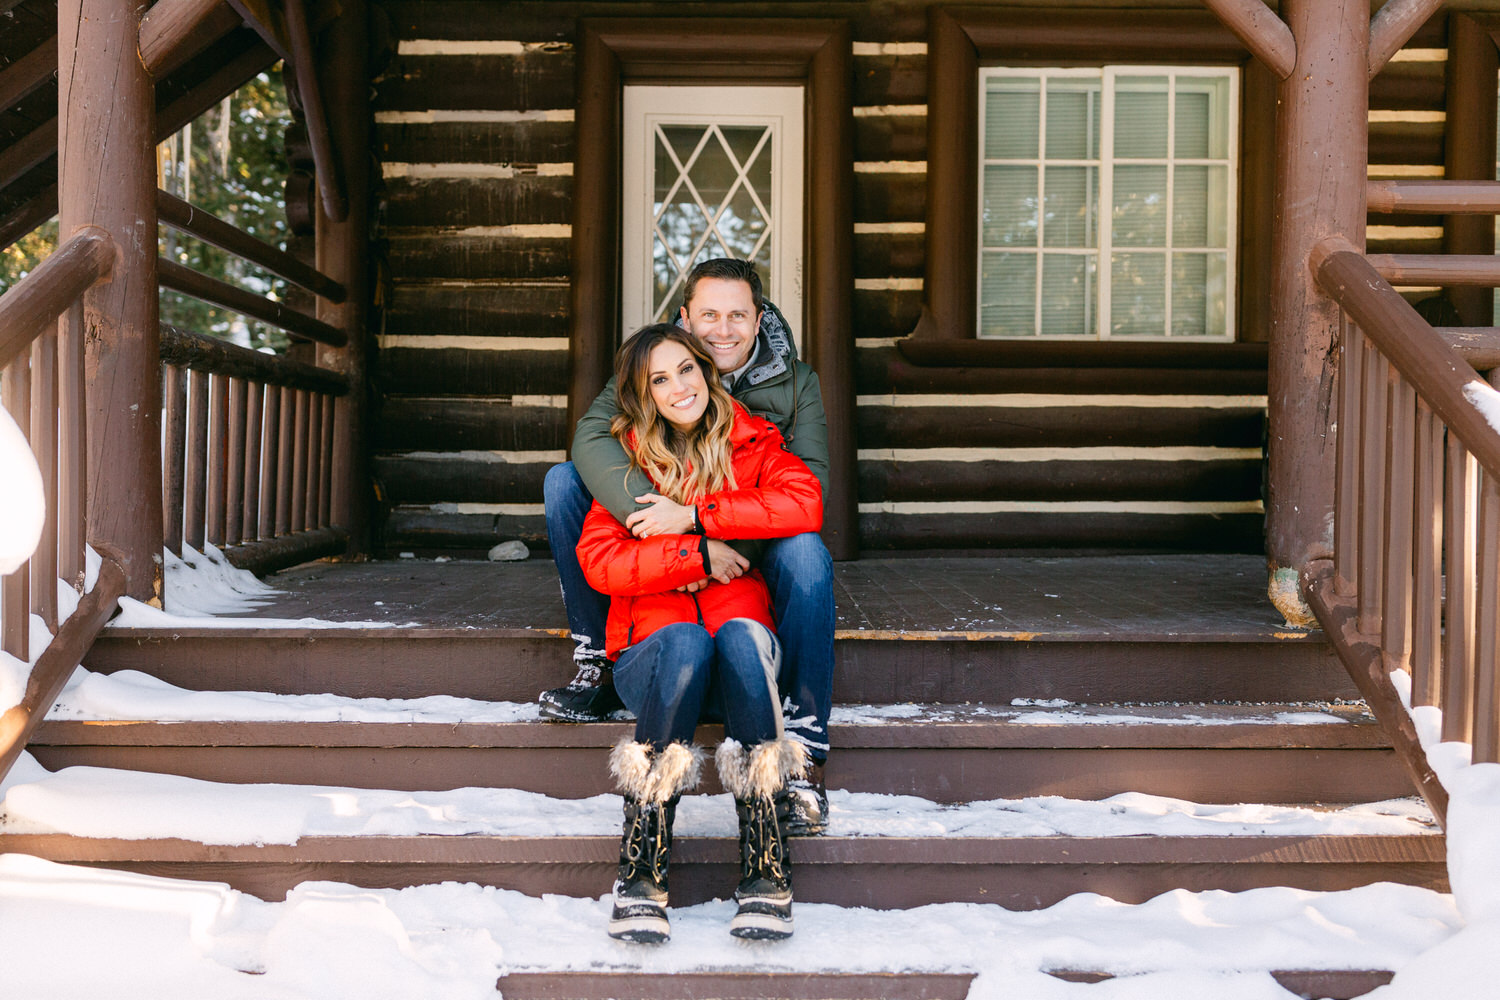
(663, 517)
(726, 562)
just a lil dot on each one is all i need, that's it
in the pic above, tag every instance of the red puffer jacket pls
(776, 496)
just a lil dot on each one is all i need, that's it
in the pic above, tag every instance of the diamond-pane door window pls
(700, 182)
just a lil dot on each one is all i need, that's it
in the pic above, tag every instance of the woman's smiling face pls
(677, 386)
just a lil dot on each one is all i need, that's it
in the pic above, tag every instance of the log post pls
(107, 178)
(343, 250)
(1469, 151)
(1321, 152)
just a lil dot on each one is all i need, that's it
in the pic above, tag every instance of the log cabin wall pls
(474, 128)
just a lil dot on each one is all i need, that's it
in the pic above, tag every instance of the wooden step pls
(872, 665)
(946, 753)
(880, 872)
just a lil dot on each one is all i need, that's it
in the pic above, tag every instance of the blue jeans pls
(798, 570)
(680, 675)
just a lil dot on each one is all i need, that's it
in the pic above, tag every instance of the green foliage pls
(18, 259)
(235, 169)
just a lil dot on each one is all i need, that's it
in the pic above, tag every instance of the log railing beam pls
(1263, 33)
(1432, 197)
(1393, 27)
(27, 309)
(1456, 270)
(184, 279)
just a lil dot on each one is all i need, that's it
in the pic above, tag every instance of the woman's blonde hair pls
(683, 464)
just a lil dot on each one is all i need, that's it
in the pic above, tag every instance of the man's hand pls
(695, 586)
(727, 563)
(663, 517)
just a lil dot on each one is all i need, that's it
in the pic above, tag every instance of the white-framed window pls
(709, 172)
(1108, 202)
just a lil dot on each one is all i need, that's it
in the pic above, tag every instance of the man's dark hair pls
(728, 268)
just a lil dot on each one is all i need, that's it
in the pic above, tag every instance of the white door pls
(710, 172)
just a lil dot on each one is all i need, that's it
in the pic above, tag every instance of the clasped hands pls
(665, 516)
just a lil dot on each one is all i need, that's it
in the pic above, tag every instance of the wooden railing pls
(1414, 583)
(43, 382)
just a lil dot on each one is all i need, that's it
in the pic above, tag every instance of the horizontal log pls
(885, 370)
(475, 142)
(28, 73)
(200, 286)
(915, 481)
(886, 312)
(879, 138)
(525, 199)
(420, 529)
(1453, 270)
(890, 197)
(198, 352)
(451, 254)
(56, 664)
(471, 373)
(1049, 531)
(52, 286)
(957, 426)
(446, 423)
(889, 255)
(210, 229)
(174, 31)
(1026, 353)
(1406, 142)
(535, 79)
(884, 79)
(1434, 196)
(517, 309)
(1404, 246)
(28, 151)
(438, 477)
(1409, 86)
(271, 554)
(1478, 345)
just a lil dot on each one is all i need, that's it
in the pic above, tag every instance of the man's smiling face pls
(722, 314)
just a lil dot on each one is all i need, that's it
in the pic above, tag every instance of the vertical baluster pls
(284, 449)
(1346, 469)
(174, 387)
(72, 430)
(325, 487)
(1486, 621)
(195, 495)
(234, 473)
(1400, 491)
(1427, 542)
(44, 447)
(15, 588)
(218, 464)
(1372, 491)
(299, 461)
(270, 463)
(314, 459)
(253, 432)
(1458, 605)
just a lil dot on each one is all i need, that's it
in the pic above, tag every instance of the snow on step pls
(107, 803)
(78, 931)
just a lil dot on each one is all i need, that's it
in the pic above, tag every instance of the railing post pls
(107, 178)
(1320, 190)
(342, 253)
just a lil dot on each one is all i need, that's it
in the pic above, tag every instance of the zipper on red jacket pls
(694, 596)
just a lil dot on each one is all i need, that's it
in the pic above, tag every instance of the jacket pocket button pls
(682, 552)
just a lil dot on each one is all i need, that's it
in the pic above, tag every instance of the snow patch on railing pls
(1486, 400)
(22, 508)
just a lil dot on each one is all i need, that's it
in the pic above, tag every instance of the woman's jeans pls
(798, 570)
(679, 675)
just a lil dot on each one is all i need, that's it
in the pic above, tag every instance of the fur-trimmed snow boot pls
(755, 776)
(651, 783)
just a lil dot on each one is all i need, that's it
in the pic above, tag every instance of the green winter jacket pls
(776, 386)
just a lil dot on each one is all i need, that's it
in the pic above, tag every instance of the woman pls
(690, 631)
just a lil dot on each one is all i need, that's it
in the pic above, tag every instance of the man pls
(757, 361)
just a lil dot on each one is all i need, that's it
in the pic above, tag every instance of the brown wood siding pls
(478, 147)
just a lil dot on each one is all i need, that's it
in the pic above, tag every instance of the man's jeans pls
(798, 570)
(680, 675)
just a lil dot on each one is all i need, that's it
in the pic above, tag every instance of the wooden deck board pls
(1124, 597)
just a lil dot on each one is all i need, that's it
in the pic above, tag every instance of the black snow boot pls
(589, 697)
(651, 784)
(755, 777)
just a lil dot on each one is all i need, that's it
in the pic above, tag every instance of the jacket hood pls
(774, 348)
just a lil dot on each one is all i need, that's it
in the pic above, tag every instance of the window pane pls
(1007, 295)
(1071, 207)
(1140, 215)
(1072, 119)
(1202, 117)
(1010, 203)
(1140, 116)
(1200, 216)
(1199, 295)
(1012, 118)
(1068, 294)
(1138, 295)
